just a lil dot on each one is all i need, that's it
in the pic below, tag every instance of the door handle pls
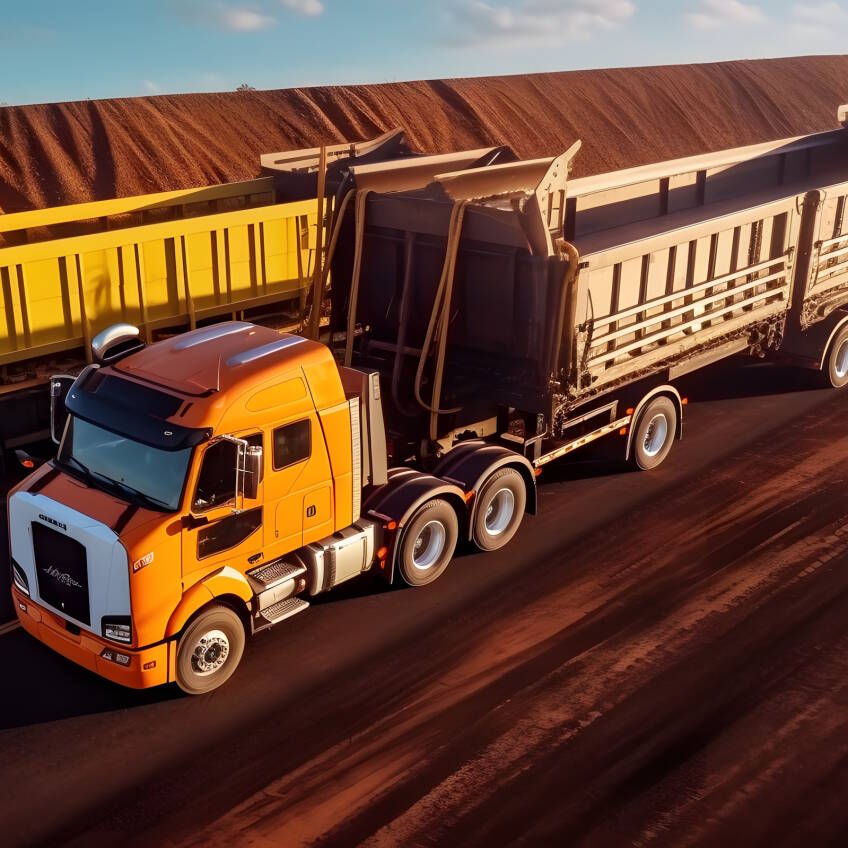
(192, 522)
(254, 558)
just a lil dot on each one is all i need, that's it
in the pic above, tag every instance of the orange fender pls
(224, 581)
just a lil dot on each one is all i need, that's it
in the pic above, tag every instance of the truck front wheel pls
(209, 650)
(428, 543)
(835, 369)
(499, 509)
(654, 433)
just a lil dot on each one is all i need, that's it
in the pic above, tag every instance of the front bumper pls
(85, 648)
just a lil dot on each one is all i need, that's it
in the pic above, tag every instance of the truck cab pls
(186, 470)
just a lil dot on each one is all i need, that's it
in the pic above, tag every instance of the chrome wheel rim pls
(655, 435)
(841, 360)
(429, 545)
(210, 653)
(499, 512)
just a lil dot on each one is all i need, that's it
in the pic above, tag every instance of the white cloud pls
(522, 23)
(151, 87)
(310, 8)
(244, 20)
(226, 16)
(714, 14)
(819, 18)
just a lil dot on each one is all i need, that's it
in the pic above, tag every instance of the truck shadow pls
(43, 686)
(741, 377)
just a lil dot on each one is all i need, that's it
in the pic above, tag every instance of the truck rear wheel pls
(835, 371)
(428, 543)
(654, 433)
(499, 509)
(209, 650)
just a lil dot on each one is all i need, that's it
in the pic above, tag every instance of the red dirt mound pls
(74, 152)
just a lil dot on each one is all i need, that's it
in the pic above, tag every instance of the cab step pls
(273, 573)
(278, 612)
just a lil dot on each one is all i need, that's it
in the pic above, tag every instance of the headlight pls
(118, 628)
(19, 578)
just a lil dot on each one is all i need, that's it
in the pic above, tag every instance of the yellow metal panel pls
(257, 191)
(55, 292)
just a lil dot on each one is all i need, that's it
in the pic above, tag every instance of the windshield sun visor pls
(132, 410)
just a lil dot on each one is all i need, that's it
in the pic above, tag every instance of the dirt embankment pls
(74, 152)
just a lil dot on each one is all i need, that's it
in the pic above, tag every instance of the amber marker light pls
(381, 552)
(622, 431)
(685, 401)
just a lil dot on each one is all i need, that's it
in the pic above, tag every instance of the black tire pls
(428, 543)
(200, 668)
(835, 370)
(654, 434)
(499, 509)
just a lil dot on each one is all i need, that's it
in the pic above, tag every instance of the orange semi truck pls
(206, 484)
(488, 316)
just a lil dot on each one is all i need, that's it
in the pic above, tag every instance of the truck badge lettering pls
(140, 563)
(62, 577)
(53, 521)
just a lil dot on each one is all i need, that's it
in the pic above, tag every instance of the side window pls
(217, 479)
(227, 533)
(292, 443)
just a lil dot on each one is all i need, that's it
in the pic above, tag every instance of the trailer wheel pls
(209, 650)
(428, 543)
(654, 433)
(499, 509)
(835, 369)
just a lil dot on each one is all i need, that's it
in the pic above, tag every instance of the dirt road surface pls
(656, 659)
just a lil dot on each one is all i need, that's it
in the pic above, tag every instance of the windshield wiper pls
(138, 493)
(80, 465)
(94, 475)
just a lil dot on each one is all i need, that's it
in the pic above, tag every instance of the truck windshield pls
(153, 475)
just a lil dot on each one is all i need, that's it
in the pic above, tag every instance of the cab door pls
(298, 485)
(213, 534)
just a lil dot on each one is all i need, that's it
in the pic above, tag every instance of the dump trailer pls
(499, 299)
(488, 316)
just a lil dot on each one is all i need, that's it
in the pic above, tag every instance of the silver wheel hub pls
(210, 652)
(429, 545)
(841, 360)
(656, 434)
(499, 512)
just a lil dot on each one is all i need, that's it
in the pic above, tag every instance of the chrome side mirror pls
(252, 473)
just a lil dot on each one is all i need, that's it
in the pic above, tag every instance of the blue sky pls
(52, 50)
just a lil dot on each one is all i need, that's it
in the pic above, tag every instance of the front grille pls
(62, 572)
